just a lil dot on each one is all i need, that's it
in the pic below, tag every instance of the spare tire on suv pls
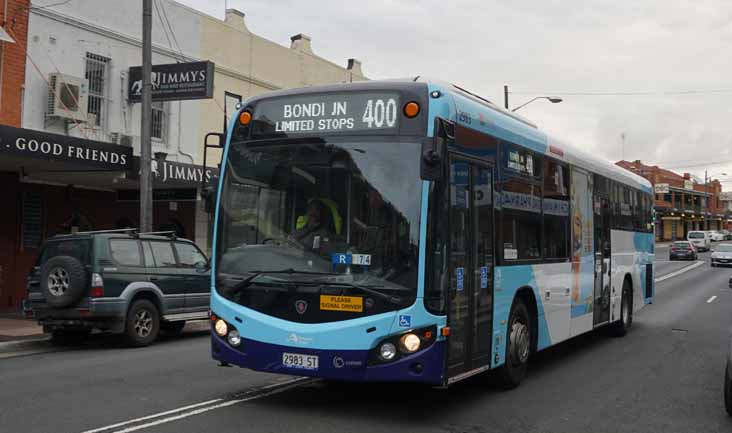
(63, 281)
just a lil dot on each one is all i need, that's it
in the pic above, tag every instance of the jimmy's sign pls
(41, 145)
(174, 82)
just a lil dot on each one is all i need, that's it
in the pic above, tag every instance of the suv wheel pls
(143, 323)
(63, 281)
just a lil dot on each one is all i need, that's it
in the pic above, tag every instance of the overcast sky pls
(553, 47)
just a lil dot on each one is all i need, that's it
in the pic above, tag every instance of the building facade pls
(682, 202)
(71, 137)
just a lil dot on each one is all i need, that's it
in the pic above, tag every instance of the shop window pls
(520, 221)
(159, 121)
(32, 220)
(555, 205)
(126, 252)
(97, 71)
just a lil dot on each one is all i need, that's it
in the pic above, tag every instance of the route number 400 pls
(379, 114)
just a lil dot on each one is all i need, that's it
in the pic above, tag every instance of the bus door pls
(470, 295)
(602, 254)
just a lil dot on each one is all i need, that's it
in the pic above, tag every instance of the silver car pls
(722, 255)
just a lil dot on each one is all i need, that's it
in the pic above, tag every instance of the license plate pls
(298, 360)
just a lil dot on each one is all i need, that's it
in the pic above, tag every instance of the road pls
(665, 376)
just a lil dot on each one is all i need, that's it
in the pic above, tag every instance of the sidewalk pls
(17, 328)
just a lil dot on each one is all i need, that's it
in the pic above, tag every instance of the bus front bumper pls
(425, 366)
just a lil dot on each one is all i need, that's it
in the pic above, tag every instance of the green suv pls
(118, 281)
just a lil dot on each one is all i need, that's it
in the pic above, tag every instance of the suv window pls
(76, 248)
(163, 254)
(189, 255)
(126, 252)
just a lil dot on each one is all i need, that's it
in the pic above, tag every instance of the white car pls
(717, 236)
(700, 239)
(722, 255)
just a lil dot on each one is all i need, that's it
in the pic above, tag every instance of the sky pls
(654, 71)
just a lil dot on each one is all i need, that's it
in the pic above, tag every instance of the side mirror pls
(433, 150)
(208, 195)
(201, 266)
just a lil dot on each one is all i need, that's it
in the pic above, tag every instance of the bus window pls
(520, 222)
(556, 210)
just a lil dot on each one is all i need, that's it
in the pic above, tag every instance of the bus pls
(412, 231)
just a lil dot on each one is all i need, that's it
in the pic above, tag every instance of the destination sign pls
(318, 114)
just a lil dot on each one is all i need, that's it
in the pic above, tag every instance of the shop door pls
(470, 295)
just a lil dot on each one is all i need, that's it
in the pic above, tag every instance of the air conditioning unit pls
(127, 140)
(67, 97)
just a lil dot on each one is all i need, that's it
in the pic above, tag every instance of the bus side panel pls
(631, 252)
(508, 280)
(644, 245)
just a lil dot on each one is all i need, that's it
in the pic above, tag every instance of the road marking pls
(679, 272)
(156, 415)
(202, 407)
(710, 300)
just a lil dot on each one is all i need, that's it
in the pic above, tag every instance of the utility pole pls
(146, 205)
(706, 199)
(505, 96)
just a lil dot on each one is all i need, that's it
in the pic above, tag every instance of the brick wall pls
(13, 60)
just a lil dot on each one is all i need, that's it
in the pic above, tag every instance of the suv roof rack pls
(169, 233)
(133, 230)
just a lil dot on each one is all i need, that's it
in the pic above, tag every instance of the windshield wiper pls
(396, 300)
(256, 274)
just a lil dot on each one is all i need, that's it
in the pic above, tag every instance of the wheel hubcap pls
(58, 281)
(520, 342)
(143, 323)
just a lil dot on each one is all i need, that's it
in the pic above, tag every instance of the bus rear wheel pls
(518, 346)
(622, 326)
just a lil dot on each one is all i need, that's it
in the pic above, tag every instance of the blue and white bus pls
(413, 231)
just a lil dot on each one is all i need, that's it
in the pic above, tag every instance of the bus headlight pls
(221, 328)
(387, 352)
(234, 338)
(409, 343)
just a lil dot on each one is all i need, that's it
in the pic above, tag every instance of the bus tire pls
(518, 345)
(728, 390)
(622, 326)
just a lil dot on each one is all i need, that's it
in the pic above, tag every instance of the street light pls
(552, 99)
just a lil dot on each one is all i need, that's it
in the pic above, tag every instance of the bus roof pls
(491, 119)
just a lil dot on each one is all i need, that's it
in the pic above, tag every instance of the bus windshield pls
(335, 216)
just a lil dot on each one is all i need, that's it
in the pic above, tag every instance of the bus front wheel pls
(518, 345)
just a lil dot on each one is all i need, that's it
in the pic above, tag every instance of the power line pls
(628, 93)
(172, 32)
(165, 31)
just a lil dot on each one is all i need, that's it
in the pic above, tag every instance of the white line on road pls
(145, 418)
(276, 389)
(198, 408)
(679, 272)
(710, 300)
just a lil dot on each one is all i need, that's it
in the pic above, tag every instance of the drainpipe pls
(2, 51)
(180, 151)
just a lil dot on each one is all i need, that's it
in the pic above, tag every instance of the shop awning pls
(5, 37)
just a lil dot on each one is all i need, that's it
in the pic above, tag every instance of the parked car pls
(118, 281)
(717, 236)
(682, 250)
(722, 255)
(728, 380)
(701, 240)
